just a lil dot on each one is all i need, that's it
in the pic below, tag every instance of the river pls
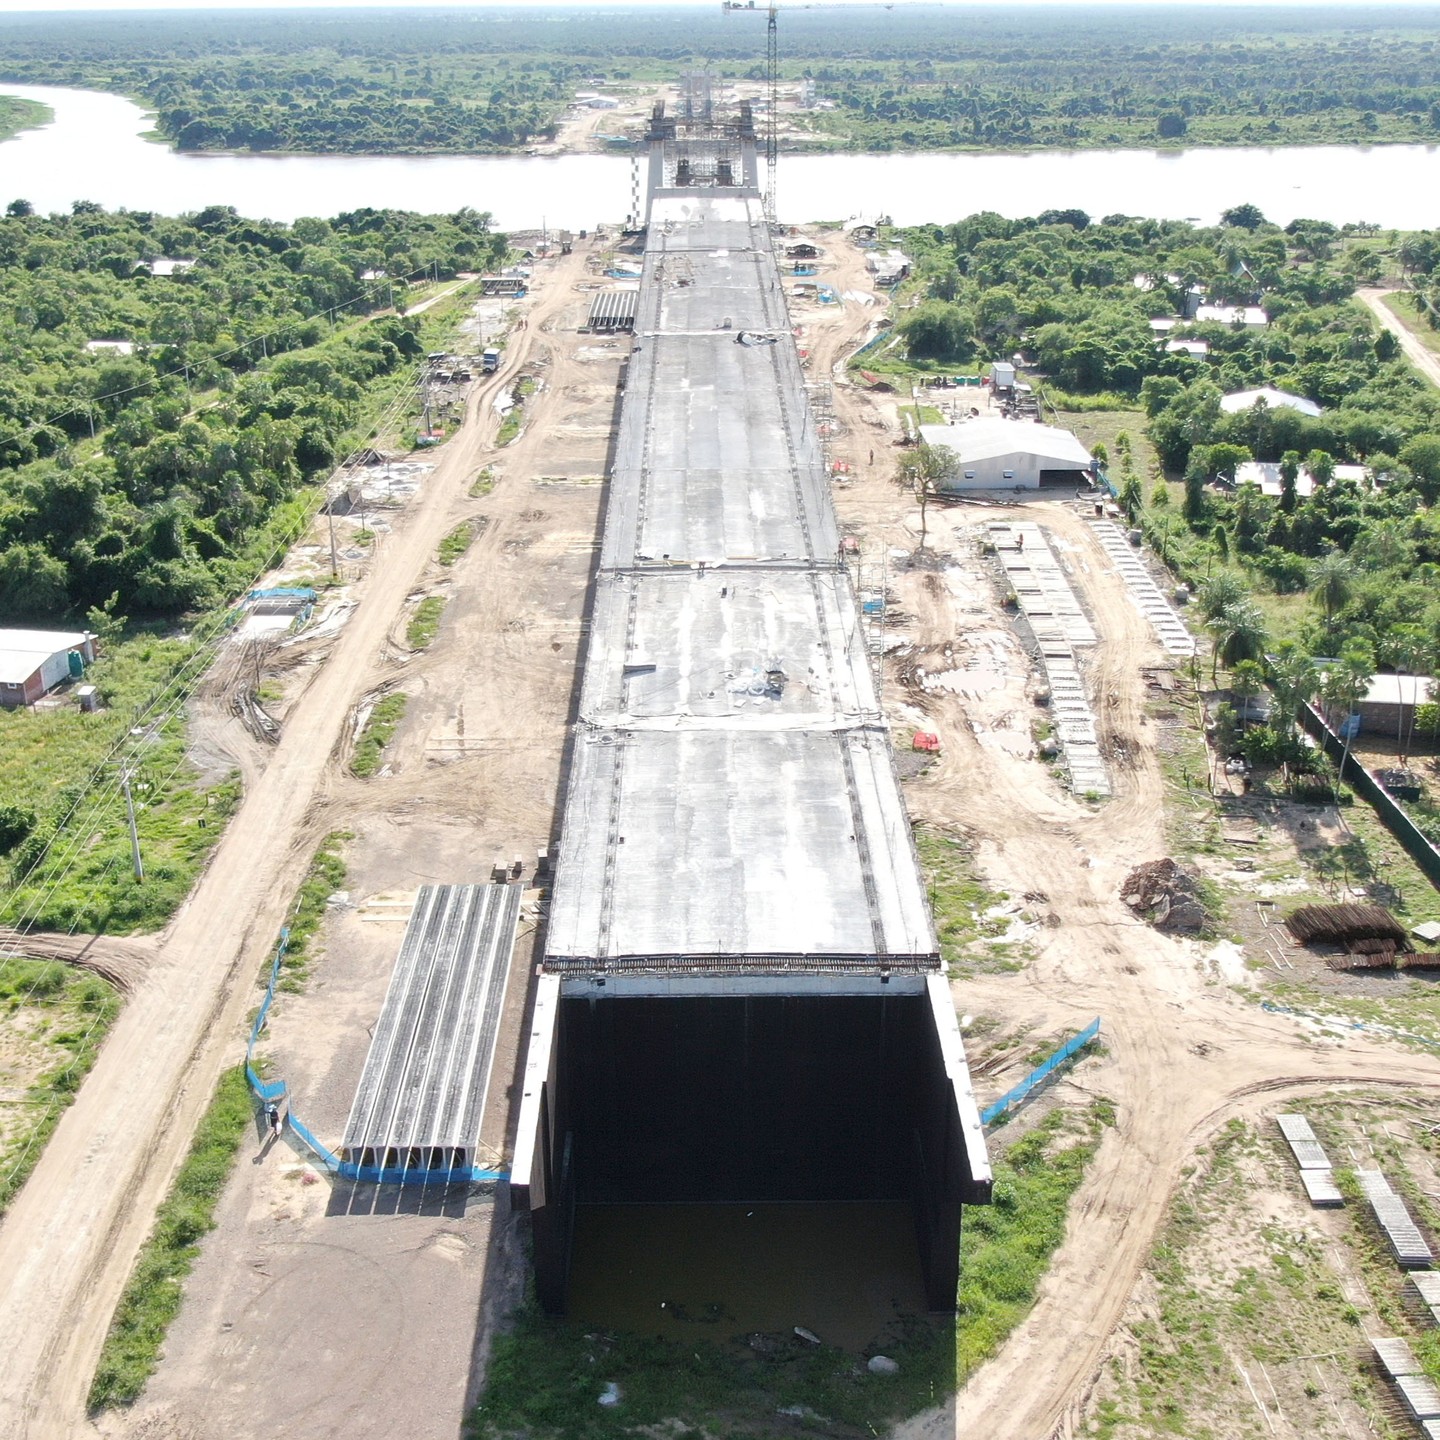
(93, 151)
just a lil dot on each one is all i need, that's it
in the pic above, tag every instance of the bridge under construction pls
(741, 997)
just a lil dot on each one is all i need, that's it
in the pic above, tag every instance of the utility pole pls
(136, 863)
(330, 516)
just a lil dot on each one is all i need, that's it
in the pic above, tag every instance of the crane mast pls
(772, 86)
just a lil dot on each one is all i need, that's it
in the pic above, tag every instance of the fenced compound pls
(1040, 1074)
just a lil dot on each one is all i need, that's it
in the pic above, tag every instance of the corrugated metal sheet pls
(1426, 1286)
(1320, 1186)
(1303, 1145)
(1406, 1242)
(421, 1097)
(1396, 1357)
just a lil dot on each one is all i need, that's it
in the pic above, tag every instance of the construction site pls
(748, 833)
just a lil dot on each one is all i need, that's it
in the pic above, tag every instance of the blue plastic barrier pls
(273, 1090)
(991, 1113)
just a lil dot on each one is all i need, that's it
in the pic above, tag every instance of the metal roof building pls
(996, 454)
(34, 662)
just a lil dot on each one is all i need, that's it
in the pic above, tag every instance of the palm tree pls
(1293, 678)
(1344, 686)
(1330, 583)
(1239, 634)
(1218, 595)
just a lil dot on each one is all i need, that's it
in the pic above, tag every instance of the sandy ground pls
(394, 1297)
(392, 1317)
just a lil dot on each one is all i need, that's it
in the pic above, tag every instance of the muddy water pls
(849, 1273)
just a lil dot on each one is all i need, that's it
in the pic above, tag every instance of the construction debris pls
(1164, 894)
(1347, 925)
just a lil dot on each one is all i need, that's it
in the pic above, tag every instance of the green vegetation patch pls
(425, 622)
(17, 115)
(380, 728)
(57, 790)
(456, 543)
(970, 940)
(324, 877)
(510, 425)
(546, 1375)
(152, 1296)
(55, 1018)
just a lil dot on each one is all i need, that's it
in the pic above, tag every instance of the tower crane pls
(772, 78)
(772, 85)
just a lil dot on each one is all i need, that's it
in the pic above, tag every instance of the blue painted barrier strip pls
(991, 1113)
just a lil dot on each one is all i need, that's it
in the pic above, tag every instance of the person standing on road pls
(272, 1120)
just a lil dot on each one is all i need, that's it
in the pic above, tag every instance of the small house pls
(167, 267)
(1250, 316)
(34, 662)
(1388, 705)
(1239, 400)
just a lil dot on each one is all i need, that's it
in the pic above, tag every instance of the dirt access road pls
(1416, 351)
(68, 1243)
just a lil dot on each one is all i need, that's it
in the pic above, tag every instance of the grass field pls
(55, 1019)
(152, 1296)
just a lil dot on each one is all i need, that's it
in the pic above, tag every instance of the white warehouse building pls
(993, 454)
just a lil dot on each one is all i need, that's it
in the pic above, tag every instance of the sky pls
(11, 7)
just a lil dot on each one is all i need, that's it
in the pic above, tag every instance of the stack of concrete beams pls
(421, 1099)
(1407, 1244)
(1315, 1172)
(1143, 590)
(1060, 627)
(1422, 1292)
(1398, 1363)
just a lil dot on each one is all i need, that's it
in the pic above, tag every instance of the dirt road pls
(1416, 351)
(67, 1244)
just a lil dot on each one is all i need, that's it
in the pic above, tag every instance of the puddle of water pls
(849, 1273)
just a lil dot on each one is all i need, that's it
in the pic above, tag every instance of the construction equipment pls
(772, 84)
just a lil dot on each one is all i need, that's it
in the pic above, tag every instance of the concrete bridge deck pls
(736, 860)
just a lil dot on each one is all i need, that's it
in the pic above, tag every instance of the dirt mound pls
(1165, 894)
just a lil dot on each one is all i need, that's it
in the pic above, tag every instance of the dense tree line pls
(134, 477)
(913, 77)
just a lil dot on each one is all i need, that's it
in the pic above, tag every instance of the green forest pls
(915, 77)
(161, 436)
(149, 425)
